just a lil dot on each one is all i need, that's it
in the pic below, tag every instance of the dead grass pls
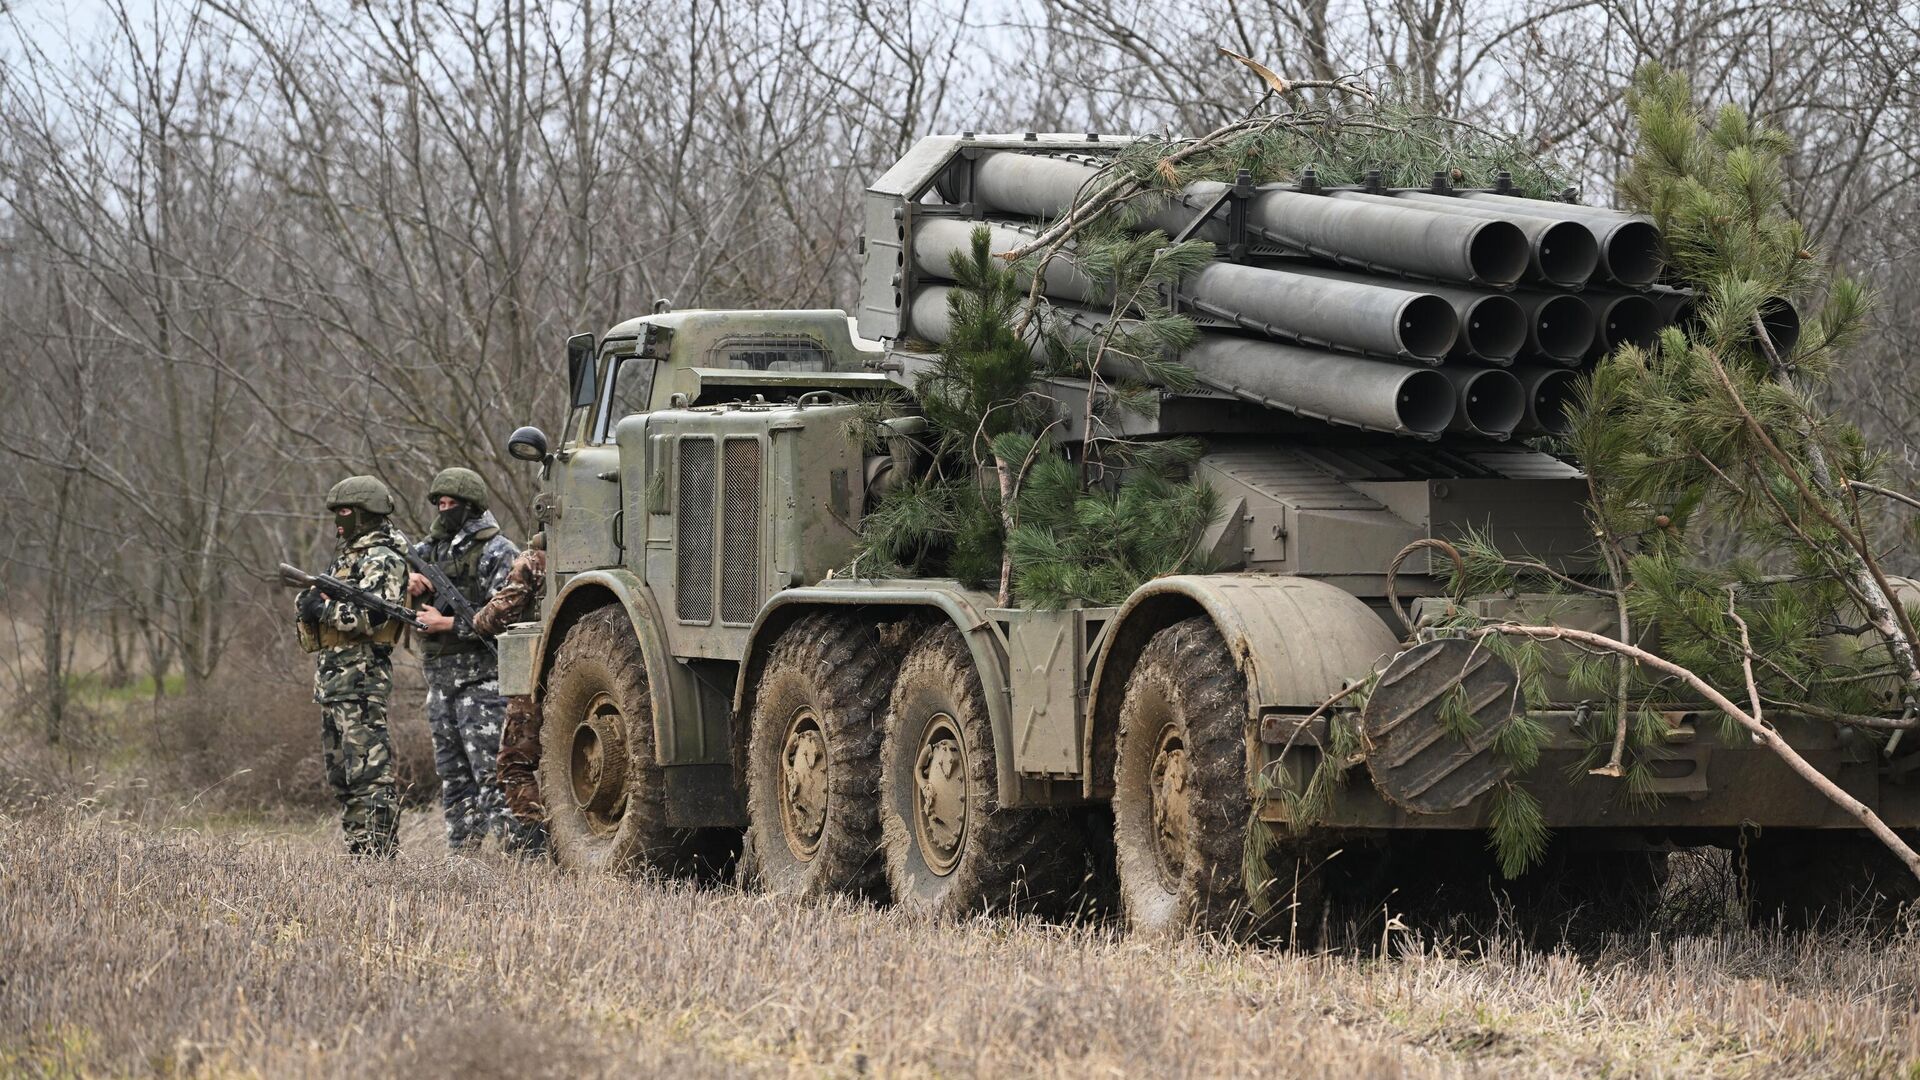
(245, 746)
(138, 947)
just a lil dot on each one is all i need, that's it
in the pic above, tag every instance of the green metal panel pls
(1048, 655)
(519, 650)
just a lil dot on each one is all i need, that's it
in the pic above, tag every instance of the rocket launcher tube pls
(1415, 326)
(1631, 252)
(1564, 250)
(936, 240)
(1492, 326)
(1352, 391)
(1362, 316)
(1387, 238)
(1676, 305)
(1624, 319)
(1561, 327)
(1345, 390)
(1550, 392)
(1492, 402)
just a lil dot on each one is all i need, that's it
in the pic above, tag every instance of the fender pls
(670, 686)
(1296, 640)
(964, 608)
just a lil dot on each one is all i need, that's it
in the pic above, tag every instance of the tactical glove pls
(310, 605)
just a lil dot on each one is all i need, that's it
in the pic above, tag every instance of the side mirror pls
(580, 369)
(528, 444)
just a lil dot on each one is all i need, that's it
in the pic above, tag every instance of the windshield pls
(630, 390)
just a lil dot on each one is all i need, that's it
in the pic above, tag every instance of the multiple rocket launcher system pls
(1412, 312)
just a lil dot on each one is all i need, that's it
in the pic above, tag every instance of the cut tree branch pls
(1762, 732)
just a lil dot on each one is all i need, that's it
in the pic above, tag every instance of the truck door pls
(588, 523)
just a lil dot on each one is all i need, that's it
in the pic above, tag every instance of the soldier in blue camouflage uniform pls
(353, 671)
(464, 708)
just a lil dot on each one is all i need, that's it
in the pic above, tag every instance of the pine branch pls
(1762, 732)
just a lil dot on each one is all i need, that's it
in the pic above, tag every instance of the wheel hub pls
(597, 763)
(940, 789)
(1172, 806)
(803, 785)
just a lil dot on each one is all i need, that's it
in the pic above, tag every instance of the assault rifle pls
(448, 600)
(334, 589)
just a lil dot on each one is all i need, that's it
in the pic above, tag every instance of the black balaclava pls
(357, 522)
(450, 522)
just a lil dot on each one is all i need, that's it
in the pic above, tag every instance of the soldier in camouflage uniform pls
(464, 707)
(353, 671)
(519, 601)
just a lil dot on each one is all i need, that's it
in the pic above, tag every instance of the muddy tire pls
(1181, 803)
(598, 776)
(951, 850)
(813, 760)
(1808, 878)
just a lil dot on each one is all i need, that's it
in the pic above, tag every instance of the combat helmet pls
(463, 484)
(365, 492)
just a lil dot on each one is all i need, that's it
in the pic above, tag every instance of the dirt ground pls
(140, 947)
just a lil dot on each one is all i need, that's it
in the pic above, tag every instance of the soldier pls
(518, 601)
(353, 671)
(464, 706)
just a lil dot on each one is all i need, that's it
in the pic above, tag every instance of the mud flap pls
(1419, 760)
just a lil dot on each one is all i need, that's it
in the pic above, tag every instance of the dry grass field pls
(145, 944)
(172, 902)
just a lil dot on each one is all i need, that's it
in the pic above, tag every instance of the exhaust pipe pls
(1564, 250)
(1560, 326)
(1549, 393)
(1491, 401)
(1631, 252)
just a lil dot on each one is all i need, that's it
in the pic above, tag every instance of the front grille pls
(693, 579)
(740, 531)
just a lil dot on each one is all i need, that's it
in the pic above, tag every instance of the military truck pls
(711, 664)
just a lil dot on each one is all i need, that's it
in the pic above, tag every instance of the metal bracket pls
(1285, 729)
(1234, 197)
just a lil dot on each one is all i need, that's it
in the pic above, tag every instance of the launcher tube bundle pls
(1327, 303)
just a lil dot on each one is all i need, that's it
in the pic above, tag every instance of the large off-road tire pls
(1181, 801)
(598, 775)
(813, 759)
(951, 849)
(1806, 878)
